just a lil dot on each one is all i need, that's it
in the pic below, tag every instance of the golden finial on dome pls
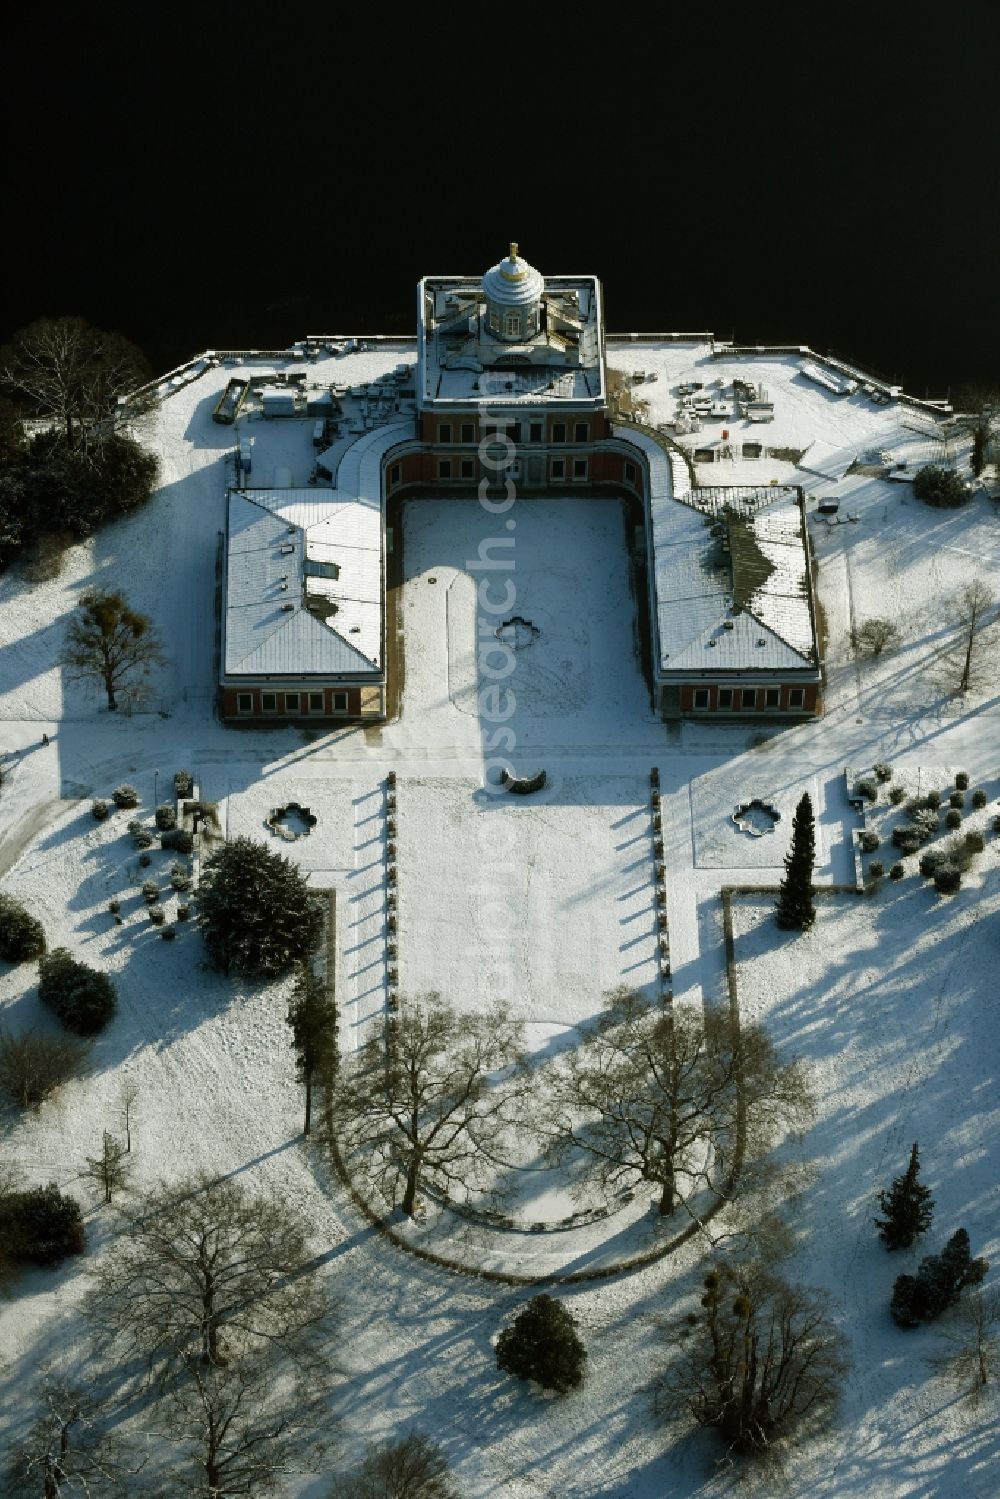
(513, 249)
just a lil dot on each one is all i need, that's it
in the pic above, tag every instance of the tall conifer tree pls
(795, 910)
(908, 1207)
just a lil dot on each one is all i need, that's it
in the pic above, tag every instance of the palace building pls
(511, 385)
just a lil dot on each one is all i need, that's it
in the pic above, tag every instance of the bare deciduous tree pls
(242, 1430)
(34, 1064)
(871, 638)
(971, 605)
(109, 1169)
(412, 1468)
(111, 645)
(417, 1101)
(69, 1450)
(204, 1267)
(661, 1095)
(75, 374)
(970, 1358)
(761, 1359)
(129, 1098)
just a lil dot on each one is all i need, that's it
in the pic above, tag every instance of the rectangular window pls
(394, 474)
(749, 697)
(340, 702)
(315, 702)
(444, 468)
(579, 468)
(701, 697)
(630, 473)
(797, 697)
(244, 702)
(444, 431)
(581, 431)
(292, 700)
(468, 468)
(535, 432)
(557, 469)
(515, 432)
(772, 697)
(725, 697)
(468, 432)
(558, 431)
(269, 702)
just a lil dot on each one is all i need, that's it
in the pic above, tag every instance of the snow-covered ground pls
(890, 998)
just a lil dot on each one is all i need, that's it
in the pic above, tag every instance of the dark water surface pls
(239, 176)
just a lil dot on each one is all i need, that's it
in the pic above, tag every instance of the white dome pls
(513, 282)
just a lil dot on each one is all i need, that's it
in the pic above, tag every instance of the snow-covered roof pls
(730, 573)
(304, 571)
(461, 361)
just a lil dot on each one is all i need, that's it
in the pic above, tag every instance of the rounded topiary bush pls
(925, 823)
(114, 906)
(979, 799)
(22, 936)
(125, 795)
(974, 841)
(868, 788)
(542, 1344)
(933, 799)
(962, 780)
(906, 839)
(143, 838)
(929, 862)
(867, 841)
(99, 810)
(896, 794)
(956, 799)
(882, 770)
(83, 999)
(896, 872)
(42, 1226)
(876, 869)
(183, 913)
(166, 817)
(157, 915)
(178, 839)
(183, 783)
(180, 877)
(947, 878)
(953, 818)
(150, 892)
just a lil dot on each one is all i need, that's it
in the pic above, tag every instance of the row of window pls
(466, 468)
(294, 702)
(515, 431)
(733, 699)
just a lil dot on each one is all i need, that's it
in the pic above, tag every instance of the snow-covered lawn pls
(890, 1000)
(540, 903)
(543, 904)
